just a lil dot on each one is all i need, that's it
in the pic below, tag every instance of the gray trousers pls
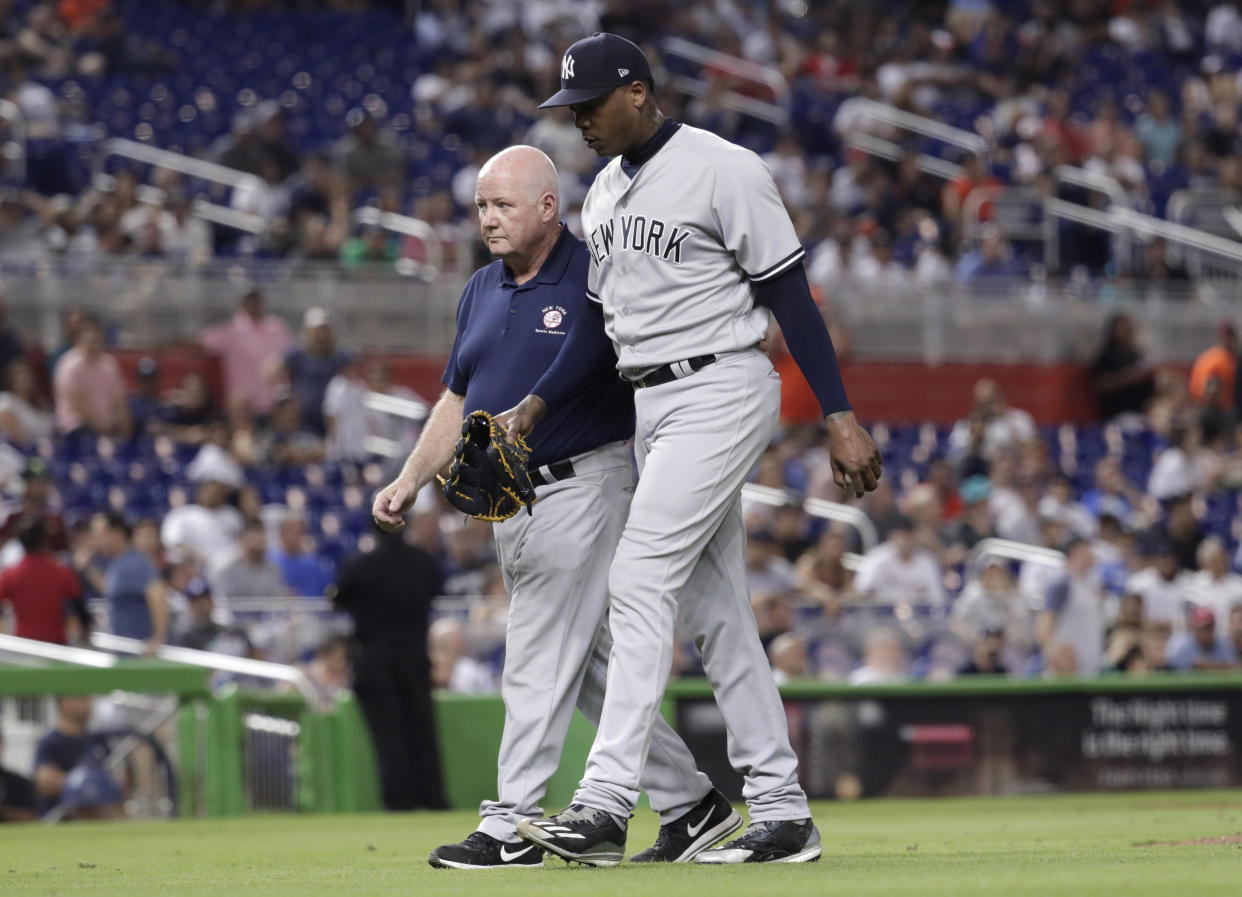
(555, 566)
(682, 554)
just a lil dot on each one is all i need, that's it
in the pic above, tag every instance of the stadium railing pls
(736, 67)
(856, 111)
(234, 748)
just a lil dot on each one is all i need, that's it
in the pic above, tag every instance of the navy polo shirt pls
(508, 335)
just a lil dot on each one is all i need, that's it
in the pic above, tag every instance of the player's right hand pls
(521, 419)
(392, 504)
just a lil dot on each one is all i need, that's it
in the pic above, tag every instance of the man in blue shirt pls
(1199, 648)
(511, 323)
(303, 573)
(312, 367)
(137, 600)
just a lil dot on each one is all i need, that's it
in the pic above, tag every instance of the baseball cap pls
(595, 65)
(148, 366)
(1201, 616)
(314, 317)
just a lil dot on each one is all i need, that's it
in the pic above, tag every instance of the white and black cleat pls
(578, 834)
(482, 851)
(681, 840)
(776, 841)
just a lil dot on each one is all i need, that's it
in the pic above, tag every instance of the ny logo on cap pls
(621, 73)
(567, 67)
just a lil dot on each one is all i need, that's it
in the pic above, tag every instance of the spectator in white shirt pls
(767, 572)
(884, 660)
(1181, 468)
(788, 655)
(345, 415)
(898, 571)
(208, 529)
(1004, 426)
(1215, 586)
(452, 668)
(1059, 504)
(1020, 521)
(1161, 585)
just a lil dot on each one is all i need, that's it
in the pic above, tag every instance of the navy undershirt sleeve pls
(587, 348)
(789, 298)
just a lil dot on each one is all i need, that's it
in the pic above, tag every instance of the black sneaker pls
(481, 851)
(781, 841)
(681, 840)
(580, 834)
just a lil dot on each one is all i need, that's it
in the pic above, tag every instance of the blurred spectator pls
(1183, 530)
(91, 792)
(1162, 586)
(72, 320)
(985, 653)
(250, 345)
(388, 592)
(368, 156)
(44, 595)
(767, 572)
(993, 599)
(1020, 520)
(1129, 620)
(884, 660)
(898, 571)
(302, 572)
(90, 391)
(1214, 586)
(203, 633)
(190, 408)
(1199, 648)
(24, 417)
(1182, 468)
(1058, 503)
(773, 617)
(975, 522)
(250, 574)
(1159, 133)
(345, 415)
(207, 528)
(66, 746)
(137, 597)
(1112, 493)
(311, 367)
(1003, 425)
(215, 461)
(147, 540)
(452, 667)
(789, 527)
(1220, 363)
(329, 669)
(1233, 634)
(370, 249)
(289, 444)
(788, 655)
(1158, 267)
(990, 265)
(18, 802)
(148, 412)
(38, 502)
(378, 378)
(1071, 625)
(11, 348)
(821, 572)
(1113, 547)
(1123, 381)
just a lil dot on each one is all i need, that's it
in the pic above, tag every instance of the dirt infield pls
(1196, 842)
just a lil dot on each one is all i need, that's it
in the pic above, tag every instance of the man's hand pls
(520, 420)
(151, 647)
(392, 504)
(856, 462)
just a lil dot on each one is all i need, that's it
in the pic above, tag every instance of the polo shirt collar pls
(553, 268)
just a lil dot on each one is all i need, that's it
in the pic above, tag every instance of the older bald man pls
(511, 322)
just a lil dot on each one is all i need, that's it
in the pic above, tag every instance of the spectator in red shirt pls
(45, 595)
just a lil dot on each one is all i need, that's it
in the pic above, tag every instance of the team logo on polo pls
(553, 318)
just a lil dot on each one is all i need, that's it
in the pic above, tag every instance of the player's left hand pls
(856, 462)
(521, 419)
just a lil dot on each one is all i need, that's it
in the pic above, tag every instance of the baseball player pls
(512, 320)
(690, 249)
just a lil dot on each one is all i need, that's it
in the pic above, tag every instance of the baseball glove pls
(488, 479)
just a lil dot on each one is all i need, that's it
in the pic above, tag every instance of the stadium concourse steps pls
(146, 476)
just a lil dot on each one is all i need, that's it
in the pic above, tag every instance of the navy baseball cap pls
(596, 65)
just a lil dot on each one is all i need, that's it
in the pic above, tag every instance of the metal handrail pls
(200, 208)
(817, 507)
(886, 149)
(11, 644)
(973, 203)
(179, 162)
(409, 227)
(258, 669)
(1016, 551)
(777, 113)
(861, 107)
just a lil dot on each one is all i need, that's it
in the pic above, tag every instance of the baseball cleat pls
(776, 841)
(481, 851)
(681, 840)
(578, 834)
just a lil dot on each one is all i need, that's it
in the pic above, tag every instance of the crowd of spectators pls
(1147, 94)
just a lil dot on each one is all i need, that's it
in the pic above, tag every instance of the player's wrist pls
(838, 418)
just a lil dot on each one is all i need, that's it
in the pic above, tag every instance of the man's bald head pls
(519, 205)
(528, 168)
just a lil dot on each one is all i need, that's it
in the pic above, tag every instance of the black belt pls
(552, 473)
(673, 371)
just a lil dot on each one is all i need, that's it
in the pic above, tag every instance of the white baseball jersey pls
(675, 250)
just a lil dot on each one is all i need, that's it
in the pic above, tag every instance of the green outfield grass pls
(1087, 845)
